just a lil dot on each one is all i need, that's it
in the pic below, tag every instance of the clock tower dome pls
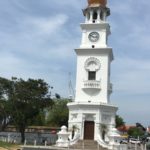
(92, 107)
(99, 2)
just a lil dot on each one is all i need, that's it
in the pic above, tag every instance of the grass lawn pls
(9, 146)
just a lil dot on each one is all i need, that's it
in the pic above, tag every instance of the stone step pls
(87, 145)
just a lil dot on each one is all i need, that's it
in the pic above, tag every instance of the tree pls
(4, 116)
(139, 125)
(4, 94)
(119, 121)
(39, 120)
(58, 115)
(25, 100)
(135, 132)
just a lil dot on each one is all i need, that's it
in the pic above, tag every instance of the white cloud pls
(47, 25)
(122, 8)
(70, 3)
(8, 59)
(132, 76)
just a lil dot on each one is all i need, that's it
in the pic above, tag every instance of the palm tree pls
(103, 131)
(74, 128)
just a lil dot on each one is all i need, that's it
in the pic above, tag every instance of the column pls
(91, 16)
(86, 19)
(104, 15)
(98, 16)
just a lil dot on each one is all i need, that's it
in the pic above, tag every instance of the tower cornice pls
(91, 105)
(96, 51)
(91, 26)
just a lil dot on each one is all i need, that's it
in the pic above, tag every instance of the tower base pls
(92, 119)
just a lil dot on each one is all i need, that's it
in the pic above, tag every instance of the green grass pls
(7, 145)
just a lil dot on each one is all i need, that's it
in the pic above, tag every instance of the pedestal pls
(63, 137)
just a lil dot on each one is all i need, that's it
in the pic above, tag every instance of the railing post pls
(97, 146)
(83, 145)
(45, 143)
(25, 142)
(142, 147)
(145, 147)
(135, 146)
(130, 145)
(68, 145)
(34, 142)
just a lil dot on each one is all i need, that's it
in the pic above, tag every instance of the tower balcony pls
(91, 84)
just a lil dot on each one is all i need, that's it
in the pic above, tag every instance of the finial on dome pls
(97, 2)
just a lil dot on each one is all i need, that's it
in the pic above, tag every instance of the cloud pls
(38, 38)
(33, 32)
(47, 26)
(131, 89)
(37, 47)
(132, 76)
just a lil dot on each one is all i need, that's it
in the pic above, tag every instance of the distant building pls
(148, 129)
(124, 129)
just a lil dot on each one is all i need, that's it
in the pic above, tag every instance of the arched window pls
(94, 16)
(92, 75)
(92, 65)
(101, 15)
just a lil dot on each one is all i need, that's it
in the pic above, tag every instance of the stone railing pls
(91, 84)
(40, 138)
(75, 139)
(110, 146)
(102, 143)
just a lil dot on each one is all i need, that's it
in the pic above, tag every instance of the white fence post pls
(45, 143)
(145, 147)
(135, 146)
(25, 142)
(34, 142)
(83, 145)
(97, 146)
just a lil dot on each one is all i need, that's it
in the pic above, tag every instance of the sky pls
(38, 38)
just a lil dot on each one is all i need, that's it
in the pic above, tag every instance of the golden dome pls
(99, 2)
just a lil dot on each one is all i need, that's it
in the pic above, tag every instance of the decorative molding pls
(74, 116)
(92, 84)
(92, 64)
(106, 118)
(89, 117)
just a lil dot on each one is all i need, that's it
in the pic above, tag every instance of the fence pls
(40, 138)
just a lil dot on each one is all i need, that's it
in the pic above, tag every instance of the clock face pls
(94, 36)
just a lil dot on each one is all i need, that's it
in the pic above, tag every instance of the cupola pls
(97, 3)
(96, 11)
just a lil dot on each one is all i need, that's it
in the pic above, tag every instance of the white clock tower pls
(92, 108)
